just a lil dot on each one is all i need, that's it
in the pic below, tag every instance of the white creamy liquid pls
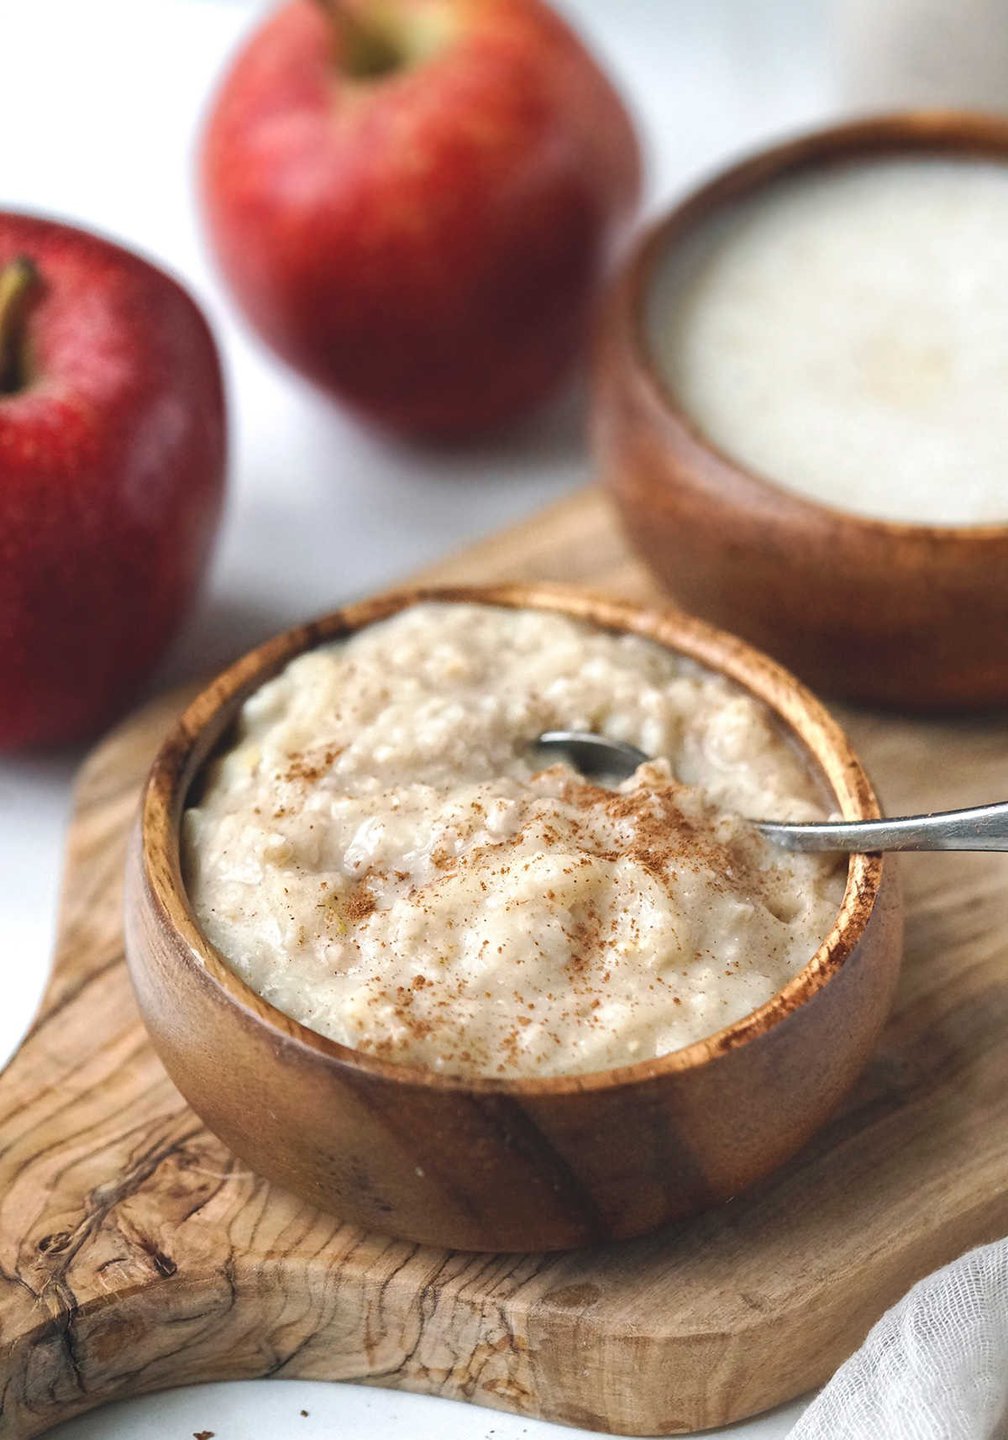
(846, 335)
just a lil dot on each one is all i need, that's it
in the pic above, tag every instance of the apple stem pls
(18, 279)
(367, 50)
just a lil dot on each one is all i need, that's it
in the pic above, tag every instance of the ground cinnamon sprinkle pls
(652, 830)
(310, 765)
(360, 903)
(665, 836)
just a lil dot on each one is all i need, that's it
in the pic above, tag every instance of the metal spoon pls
(984, 827)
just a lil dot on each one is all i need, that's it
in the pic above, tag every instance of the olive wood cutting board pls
(136, 1253)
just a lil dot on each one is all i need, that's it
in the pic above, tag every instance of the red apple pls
(112, 453)
(414, 201)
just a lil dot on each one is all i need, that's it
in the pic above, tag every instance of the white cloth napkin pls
(935, 1367)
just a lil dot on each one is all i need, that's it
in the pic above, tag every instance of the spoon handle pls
(983, 828)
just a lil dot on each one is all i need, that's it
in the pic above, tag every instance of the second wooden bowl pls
(530, 1164)
(897, 614)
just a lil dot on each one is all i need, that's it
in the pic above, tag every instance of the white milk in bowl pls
(844, 333)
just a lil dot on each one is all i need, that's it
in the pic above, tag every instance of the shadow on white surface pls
(253, 1409)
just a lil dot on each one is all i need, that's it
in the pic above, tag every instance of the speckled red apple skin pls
(112, 461)
(428, 245)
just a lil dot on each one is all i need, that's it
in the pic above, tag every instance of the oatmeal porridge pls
(382, 855)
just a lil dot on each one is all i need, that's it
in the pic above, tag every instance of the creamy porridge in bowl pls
(430, 983)
(382, 855)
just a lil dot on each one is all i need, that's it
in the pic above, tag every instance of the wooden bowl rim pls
(206, 719)
(970, 134)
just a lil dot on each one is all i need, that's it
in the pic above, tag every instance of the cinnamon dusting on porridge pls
(382, 857)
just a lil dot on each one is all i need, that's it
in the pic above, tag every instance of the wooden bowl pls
(494, 1164)
(898, 614)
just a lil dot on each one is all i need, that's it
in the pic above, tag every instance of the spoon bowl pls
(593, 755)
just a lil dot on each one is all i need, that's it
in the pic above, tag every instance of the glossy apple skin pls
(428, 244)
(112, 461)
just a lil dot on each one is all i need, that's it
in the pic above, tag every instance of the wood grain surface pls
(136, 1253)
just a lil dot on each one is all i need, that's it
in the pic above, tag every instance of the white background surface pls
(99, 108)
